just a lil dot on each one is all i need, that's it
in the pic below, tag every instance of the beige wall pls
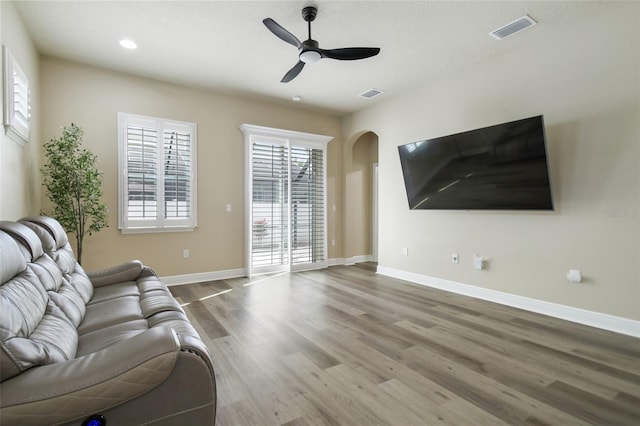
(20, 165)
(584, 78)
(92, 97)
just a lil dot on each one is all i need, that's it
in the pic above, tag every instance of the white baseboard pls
(172, 280)
(581, 316)
(358, 259)
(336, 261)
(203, 276)
(350, 260)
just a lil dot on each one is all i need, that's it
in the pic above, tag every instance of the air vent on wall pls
(371, 93)
(513, 27)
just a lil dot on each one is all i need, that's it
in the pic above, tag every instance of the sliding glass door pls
(269, 207)
(286, 200)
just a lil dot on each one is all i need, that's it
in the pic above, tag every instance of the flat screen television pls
(501, 167)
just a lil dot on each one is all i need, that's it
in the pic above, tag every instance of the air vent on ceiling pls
(371, 93)
(513, 27)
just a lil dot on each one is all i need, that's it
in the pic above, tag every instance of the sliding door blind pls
(142, 174)
(270, 205)
(307, 205)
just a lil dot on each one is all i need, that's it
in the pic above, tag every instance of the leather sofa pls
(109, 347)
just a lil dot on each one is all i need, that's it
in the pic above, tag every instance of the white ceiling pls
(223, 45)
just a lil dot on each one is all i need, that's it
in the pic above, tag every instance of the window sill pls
(15, 135)
(157, 230)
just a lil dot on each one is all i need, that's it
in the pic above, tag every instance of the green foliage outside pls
(74, 185)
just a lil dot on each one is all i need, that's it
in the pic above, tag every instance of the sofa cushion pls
(113, 291)
(99, 339)
(61, 292)
(53, 238)
(56, 244)
(28, 241)
(33, 330)
(156, 301)
(12, 262)
(111, 312)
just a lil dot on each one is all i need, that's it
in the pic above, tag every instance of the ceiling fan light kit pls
(310, 56)
(309, 50)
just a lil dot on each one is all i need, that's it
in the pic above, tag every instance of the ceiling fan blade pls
(293, 72)
(350, 53)
(281, 33)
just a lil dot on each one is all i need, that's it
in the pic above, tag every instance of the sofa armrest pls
(90, 384)
(196, 346)
(129, 271)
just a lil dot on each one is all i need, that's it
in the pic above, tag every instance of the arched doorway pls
(361, 159)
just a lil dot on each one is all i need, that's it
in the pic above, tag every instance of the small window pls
(157, 179)
(16, 100)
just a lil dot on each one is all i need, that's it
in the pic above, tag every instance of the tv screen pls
(501, 167)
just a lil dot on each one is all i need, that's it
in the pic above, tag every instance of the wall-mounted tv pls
(501, 167)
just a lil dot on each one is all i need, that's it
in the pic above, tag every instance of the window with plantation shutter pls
(286, 200)
(16, 100)
(157, 184)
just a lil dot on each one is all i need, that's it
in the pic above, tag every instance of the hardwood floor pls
(344, 346)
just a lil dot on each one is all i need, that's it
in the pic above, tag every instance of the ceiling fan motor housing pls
(309, 13)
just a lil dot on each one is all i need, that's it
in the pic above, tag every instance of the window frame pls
(160, 223)
(17, 125)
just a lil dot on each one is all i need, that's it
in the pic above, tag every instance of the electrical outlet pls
(455, 258)
(333, 243)
(185, 253)
(405, 251)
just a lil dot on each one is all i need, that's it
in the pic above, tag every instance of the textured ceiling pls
(223, 45)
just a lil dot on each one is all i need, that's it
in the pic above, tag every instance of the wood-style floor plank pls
(345, 346)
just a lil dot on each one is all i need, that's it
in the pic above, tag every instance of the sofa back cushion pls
(33, 330)
(60, 290)
(56, 244)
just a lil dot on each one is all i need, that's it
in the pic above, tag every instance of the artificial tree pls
(74, 185)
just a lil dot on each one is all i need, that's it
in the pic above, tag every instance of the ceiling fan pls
(309, 50)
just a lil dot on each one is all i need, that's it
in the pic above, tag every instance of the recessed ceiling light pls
(296, 98)
(128, 44)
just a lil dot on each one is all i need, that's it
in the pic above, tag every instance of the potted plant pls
(74, 184)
